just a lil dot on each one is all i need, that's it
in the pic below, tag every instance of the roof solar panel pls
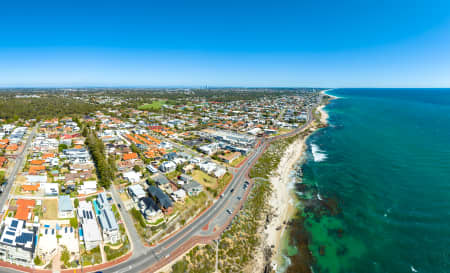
(10, 233)
(8, 241)
(14, 223)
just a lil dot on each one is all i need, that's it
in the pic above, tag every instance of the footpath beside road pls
(4, 197)
(214, 219)
(137, 246)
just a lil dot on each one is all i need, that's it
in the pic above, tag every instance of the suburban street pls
(136, 242)
(215, 216)
(17, 165)
(208, 225)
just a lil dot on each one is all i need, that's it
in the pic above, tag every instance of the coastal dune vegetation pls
(240, 241)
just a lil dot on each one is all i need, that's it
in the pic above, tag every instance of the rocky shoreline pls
(282, 202)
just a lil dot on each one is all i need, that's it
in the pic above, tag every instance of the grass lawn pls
(237, 161)
(283, 131)
(155, 105)
(173, 175)
(204, 179)
(50, 208)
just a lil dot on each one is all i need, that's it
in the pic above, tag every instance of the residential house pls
(136, 192)
(132, 176)
(168, 166)
(88, 187)
(192, 187)
(17, 243)
(107, 220)
(24, 209)
(149, 208)
(161, 199)
(65, 207)
(91, 232)
(48, 244)
(51, 189)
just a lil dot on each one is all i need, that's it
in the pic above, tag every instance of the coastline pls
(283, 199)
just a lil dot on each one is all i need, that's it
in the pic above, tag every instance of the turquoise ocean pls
(375, 193)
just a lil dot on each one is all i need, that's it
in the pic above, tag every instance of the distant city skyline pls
(234, 44)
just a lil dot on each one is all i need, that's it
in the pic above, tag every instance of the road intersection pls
(205, 228)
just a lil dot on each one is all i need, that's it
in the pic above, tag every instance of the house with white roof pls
(48, 244)
(88, 187)
(107, 220)
(92, 236)
(132, 176)
(136, 192)
(17, 243)
(168, 166)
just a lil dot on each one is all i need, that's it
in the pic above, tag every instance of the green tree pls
(65, 257)
(74, 222)
(62, 147)
(138, 217)
(37, 260)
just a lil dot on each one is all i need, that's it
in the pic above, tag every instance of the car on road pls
(238, 198)
(232, 190)
(3, 186)
(119, 206)
(229, 211)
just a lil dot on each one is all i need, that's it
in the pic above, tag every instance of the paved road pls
(135, 239)
(215, 215)
(17, 166)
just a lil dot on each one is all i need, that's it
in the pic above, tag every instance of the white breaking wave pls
(413, 269)
(317, 153)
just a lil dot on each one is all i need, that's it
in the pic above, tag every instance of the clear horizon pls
(144, 44)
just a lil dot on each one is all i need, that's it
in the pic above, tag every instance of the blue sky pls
(382, 43)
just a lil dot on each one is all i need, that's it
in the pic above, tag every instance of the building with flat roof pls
(107, 220)
(136, 192)
(91, 232)
(17, 243)
(48, 244)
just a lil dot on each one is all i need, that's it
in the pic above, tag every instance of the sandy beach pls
(282, 199)
(323, 114)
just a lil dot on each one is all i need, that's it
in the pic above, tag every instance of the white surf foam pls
(319, 197)
(413, 269)
(317, 153)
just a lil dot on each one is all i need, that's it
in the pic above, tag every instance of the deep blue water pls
(385, 158)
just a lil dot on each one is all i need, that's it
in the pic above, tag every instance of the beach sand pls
(282, 198)
(323, 114)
